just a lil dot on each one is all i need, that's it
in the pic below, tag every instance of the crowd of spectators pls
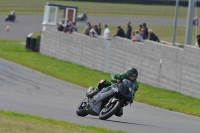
(138, 35)
(68, 28)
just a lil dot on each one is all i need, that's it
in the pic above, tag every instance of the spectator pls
(144, 26)
(99, 29)
(137, 37)
(129, 30)
(60, 27)
(66, 29)
(96, 29)
(142, 33)
(198, 41)
(120, 32)
(140, 28)
(87, 31)
(153, 36)
(86, 27)
(106, 33)
(72, 27)
(93, 33)
(67, 23)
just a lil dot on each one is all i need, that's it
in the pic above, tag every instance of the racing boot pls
(119, 113)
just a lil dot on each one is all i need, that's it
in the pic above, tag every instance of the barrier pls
(160, 65)
(33, 43)
(28, 42)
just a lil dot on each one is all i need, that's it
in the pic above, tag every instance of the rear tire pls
(81, 109)
(103, 115)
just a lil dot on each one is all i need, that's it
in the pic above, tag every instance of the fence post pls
(107, 55)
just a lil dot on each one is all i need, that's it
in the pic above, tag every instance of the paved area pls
(28, 91)
(26, 24)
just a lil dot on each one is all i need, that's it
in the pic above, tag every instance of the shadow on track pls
(124, 122)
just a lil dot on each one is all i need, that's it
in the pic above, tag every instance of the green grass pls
(95, 8)
(170, 100)
(14, 51)
(36, 34)
(13, 122)
(110, 9)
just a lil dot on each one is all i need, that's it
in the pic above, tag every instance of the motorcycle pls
(82, 17)
(108, 101)
(10, 17)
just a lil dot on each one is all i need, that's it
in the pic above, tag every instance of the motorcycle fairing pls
(95, 104)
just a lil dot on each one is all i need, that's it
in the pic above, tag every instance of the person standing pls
(99, 29)
(129, 30)
(93, 33)
(85, 31)
(144, 26)
(198, 41)
(106, 33)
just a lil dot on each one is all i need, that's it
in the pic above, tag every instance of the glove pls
(115, 80)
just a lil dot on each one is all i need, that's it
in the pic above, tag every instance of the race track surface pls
(27, 91)
(26, 24)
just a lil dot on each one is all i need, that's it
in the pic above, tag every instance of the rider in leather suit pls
(130, 74)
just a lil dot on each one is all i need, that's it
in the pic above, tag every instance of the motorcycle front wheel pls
(81, 109)
(107, 112)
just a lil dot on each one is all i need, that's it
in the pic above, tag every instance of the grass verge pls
(95, 8)
(12, 122)
(170, 100)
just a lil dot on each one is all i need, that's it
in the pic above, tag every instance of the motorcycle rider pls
(11, 15)
(130, 74)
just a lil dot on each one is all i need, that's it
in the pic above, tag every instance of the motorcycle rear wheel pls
(107, 112)
(81, 109)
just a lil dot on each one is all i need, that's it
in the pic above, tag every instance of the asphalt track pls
(26, 24)
(28, 91)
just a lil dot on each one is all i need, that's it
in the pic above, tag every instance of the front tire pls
(107, 112)
(81, 109)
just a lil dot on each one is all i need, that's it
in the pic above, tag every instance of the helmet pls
(132, 72)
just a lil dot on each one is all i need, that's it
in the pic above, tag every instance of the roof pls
(62, 6)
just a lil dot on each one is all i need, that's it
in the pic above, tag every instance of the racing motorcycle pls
(82, 17)
(10, 17)
(108, 101)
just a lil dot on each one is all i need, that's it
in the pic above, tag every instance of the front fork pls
(111, 101)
